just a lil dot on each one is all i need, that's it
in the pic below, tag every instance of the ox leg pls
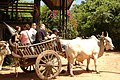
(69, 68)
(1, 61)
(95, 63)
(88, 62)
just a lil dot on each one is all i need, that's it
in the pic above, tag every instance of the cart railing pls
(32, 51)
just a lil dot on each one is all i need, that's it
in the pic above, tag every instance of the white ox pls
(81, 49)
(4, 50)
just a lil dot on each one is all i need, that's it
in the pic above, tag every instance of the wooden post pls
(66, 35)
(60, 18)
(63, 11)
(16, 10)
(36, 16)
(12, 10)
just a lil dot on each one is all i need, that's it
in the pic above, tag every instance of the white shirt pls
(53, 36)
(32, 33)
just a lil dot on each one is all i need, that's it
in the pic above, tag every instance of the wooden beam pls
(22, 11)
(36, 11)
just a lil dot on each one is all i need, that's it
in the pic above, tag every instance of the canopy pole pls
(60, 17)
(63, 11)
(66, 22)
(36, 15)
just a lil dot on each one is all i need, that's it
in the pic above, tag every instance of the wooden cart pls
(42, 57)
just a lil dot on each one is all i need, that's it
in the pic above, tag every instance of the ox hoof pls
(71, 75)
(87, 69)
(97, 72)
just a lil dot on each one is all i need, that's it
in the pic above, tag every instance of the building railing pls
(16, 11)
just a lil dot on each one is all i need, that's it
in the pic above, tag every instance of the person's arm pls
(53, 36)
(16, 37)
(20, 36)
(48, 36)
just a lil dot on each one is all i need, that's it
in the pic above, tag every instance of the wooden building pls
(11, 12)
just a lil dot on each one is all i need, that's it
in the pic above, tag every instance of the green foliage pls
(72, 30)
(26, 1)
(47, 17)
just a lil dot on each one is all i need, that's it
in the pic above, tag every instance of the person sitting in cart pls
(49, 32)
(32, 32)
(55, 33)
(15, 38)
(41, 34)
(24, 36)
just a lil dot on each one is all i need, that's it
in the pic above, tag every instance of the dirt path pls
(108, 65)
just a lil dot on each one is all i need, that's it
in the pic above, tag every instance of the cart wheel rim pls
(48, 65)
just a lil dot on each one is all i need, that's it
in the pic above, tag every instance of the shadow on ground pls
(33, 75)
(21, 76)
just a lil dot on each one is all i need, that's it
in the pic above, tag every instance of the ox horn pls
(106, 33)
(102, 34)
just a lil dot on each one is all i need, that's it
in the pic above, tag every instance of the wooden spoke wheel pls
(48, 65)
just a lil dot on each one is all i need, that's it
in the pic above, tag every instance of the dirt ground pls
(108, 65)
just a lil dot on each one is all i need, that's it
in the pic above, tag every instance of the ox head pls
(4, 48)
(108, 42)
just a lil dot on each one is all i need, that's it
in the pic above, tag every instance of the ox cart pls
(40, 57)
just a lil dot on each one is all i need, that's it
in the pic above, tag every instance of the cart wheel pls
(48, 65)
(30, 68)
